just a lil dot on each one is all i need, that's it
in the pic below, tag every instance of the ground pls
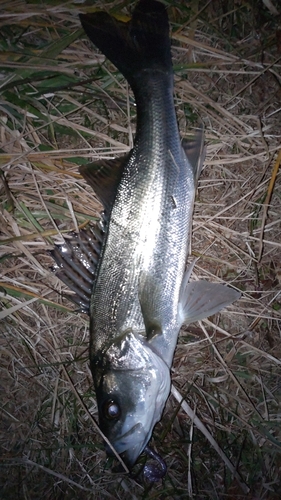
(63, 105)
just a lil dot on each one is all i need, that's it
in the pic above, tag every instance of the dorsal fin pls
(104, 177)
(76, 261)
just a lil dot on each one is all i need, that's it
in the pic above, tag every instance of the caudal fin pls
(139, 44)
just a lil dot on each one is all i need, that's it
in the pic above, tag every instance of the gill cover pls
(132, 384)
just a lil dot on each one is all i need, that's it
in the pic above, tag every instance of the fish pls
(130, 272)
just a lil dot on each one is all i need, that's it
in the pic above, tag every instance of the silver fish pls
(131, 272)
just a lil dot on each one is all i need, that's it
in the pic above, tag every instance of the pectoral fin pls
(150, 298)
(200, 299)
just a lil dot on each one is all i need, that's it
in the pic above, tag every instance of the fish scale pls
(141, 294)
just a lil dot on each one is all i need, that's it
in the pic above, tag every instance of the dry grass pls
(62, 105)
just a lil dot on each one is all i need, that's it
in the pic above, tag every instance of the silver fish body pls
(136, 293)
(141, 293)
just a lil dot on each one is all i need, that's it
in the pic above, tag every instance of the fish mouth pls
(130, 445)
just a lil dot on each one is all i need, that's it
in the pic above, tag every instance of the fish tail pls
(138, 45)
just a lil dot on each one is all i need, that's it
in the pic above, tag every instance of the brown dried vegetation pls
(62, 105)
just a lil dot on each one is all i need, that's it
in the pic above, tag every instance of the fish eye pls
(111, 410)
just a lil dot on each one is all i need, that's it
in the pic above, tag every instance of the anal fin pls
(195, 152)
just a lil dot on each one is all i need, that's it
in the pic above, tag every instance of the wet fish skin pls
(136, 293)
(141, 293)
(145, 251)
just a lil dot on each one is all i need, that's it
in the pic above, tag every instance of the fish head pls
(132, 385)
